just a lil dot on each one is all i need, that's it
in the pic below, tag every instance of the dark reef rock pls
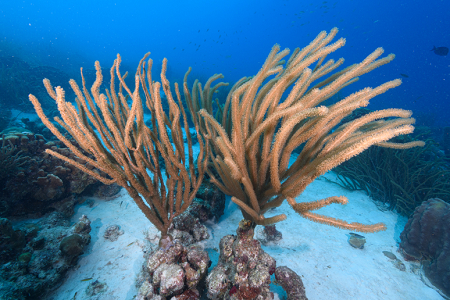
(11, 241)
(426, 238)
(188, 229)
(270, 234)
(18, 79)
(5, 116)
(107, 192)
(39, 254)
(42, 183)
(209, 203)
(291, 283)
(71, 245)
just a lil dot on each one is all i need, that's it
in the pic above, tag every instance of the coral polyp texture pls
(282, 108)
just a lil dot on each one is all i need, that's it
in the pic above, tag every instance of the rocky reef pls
(426, 238)
(36, 183)
(244, 270)
(37, 199)
(35, 256)
(177, 268)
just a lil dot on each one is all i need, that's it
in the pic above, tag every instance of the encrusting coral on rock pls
(177, 268)
(42, 183)
(174, 271)
(244, 269)
(291, 283)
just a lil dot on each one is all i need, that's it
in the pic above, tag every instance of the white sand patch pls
(114, 263)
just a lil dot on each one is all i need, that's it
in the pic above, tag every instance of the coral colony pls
(245, 150)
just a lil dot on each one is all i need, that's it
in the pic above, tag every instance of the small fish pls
(74, 296)
(404, 75)
(441, 51)
(87, 279)
(390, 255)
(130, 244)
(121, 204)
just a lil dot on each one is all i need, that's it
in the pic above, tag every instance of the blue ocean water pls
(234, 37)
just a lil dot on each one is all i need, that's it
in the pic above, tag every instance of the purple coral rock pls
(426, 237)
(198, 258)
(291, 283)
(192, 276)
(187, 223)
(192, 294)
(145, 291)
(168, 256)
(271, 234)
(169, 278)
(243, 270)
(218, 281)
(176, 270)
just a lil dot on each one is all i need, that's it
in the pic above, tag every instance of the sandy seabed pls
(330, 268)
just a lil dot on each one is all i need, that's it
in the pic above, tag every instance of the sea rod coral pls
(252, 146)
(252, 160)
(125, 148)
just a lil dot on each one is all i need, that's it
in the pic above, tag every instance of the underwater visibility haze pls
(224, 150)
